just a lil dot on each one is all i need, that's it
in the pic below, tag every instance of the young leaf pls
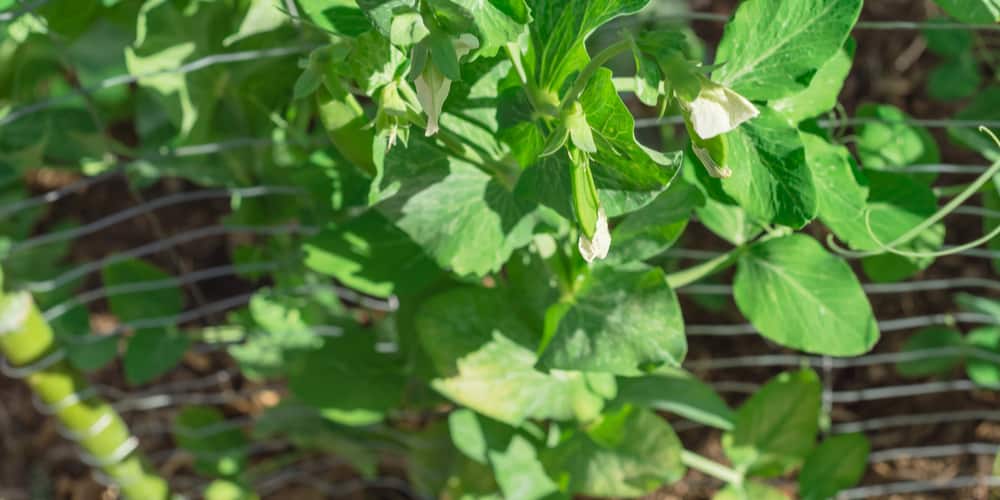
(772, 48)
(485, 357)
(889, 143)
(770, 178)
(777, 426)
(800, 296)
(619, 320)
(677, 391)
(972, 11)
(627, 453)
(935, 337)
(837, 463)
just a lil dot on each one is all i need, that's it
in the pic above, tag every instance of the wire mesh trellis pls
(185, 392)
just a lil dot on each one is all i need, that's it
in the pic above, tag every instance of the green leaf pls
(950, 42)
(519, 472)
(750, 490)
(560, 29)
(372, 256)
(800, 296)
(219, 449)
(374, 62)
(720, 214)
(935, 337)
(841, 191)
(972, 11)
(821, 94)
(436, 469)
(486, 357)
(990, 198)
(627, 453)
(280, 328)
(86, 350)
(983, 371)
(493, 23)
(985, 106)
(837, 463)
(475, 231)
(475, 436)
(889, 143)
(153, 352)
(770, 179)
(677, 391)
(776, 428)
(772, 48)
(896, 205)
(954, 79)
(618, 320)
(349, 380)
(337, 16)
(654, 228)
(131, 306)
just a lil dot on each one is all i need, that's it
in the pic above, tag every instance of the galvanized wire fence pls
(219, 388)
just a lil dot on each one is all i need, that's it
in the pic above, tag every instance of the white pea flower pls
(714, 169)
(596, 248)
(717, 110)
(433, 87)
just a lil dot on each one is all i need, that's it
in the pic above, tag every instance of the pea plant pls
(484, 285)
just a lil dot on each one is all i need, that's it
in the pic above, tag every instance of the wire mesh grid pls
(226, 388)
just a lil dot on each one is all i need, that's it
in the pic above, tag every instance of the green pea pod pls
(712, 152)
(579, 129)
(585, 200)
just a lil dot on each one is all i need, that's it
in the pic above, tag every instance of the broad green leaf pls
(887, 142)
(337, 16)
(984, 106)
(281, 327)
(478, 228)
(519, 472)
(485, 357)
(261, 17)
(654, 228)
(841, 191)
(800, 296)
(678, 392)
(838, 462)
(533, 285)
(560, 29)
(954, 79)
(491, 23)
(720, 213)
(821, 94)
(770, 179)
(153, 352)
(772, 48)
(85, 349)
(950, 42)
(750, 490)
(979, 368)
(629, 452)
(896, 205)
(972, 11)
(776, 428)
(349, 380)
(618, 320)
(437, 469)
(475, 435)
(132, 305)
(219, 449)
(374, 62)
(931, 338)
(372, 256)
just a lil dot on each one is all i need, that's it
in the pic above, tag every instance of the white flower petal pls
(714, 169)
(718, 110)
(596, 248)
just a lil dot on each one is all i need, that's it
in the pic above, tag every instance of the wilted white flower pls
(717, 110)
(433, 87)
(596, 248)
(714, 169)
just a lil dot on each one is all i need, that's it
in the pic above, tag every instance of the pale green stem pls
(694, 273)
(30, 348)
(711, 467)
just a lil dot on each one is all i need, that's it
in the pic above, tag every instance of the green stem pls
(29, 346)
(694, 273)
(588, 71)
(710, 467)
